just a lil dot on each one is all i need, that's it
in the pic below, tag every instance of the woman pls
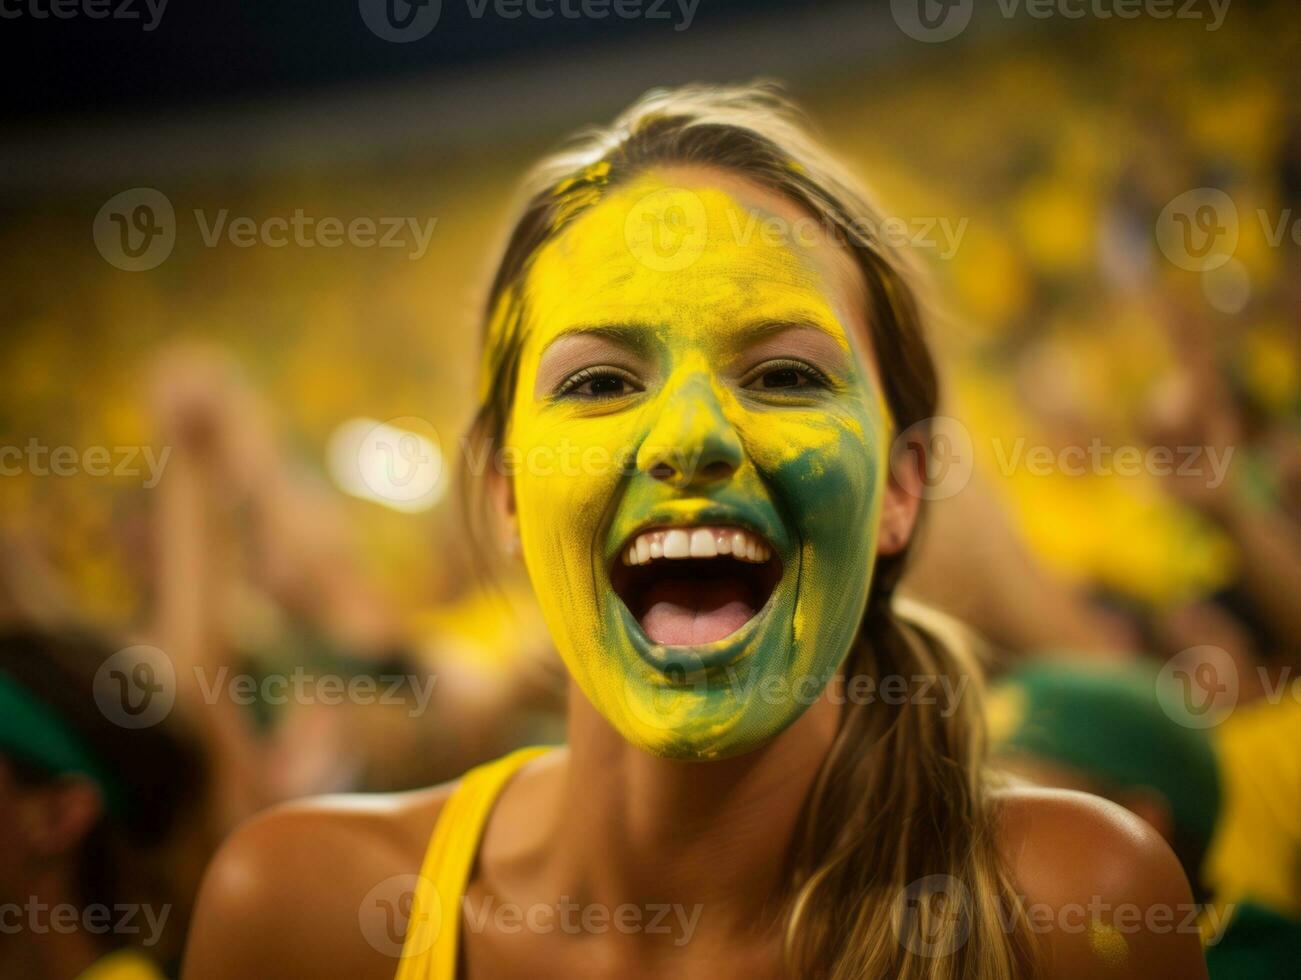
(696, 359)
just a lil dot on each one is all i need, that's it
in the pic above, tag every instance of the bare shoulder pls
(284, 894)
(1103, 890)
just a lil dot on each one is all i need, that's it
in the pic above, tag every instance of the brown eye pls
(604, 386)
(596, 383)
(783, 378)
(777, 375)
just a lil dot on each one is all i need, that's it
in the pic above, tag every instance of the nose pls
(692, 443)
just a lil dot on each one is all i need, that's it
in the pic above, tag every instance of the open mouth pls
(688, 586)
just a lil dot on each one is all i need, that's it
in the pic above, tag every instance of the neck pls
(713, 835)
(42, 952)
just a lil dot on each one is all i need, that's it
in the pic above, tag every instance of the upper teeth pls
(695, 542)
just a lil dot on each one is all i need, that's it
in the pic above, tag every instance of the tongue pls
(691, 612)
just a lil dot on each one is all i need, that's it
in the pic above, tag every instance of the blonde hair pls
(894, 870)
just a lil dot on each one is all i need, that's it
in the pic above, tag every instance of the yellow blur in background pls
(1028, 169)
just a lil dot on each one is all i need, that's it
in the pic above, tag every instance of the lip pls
(688, 515)
(685, 664)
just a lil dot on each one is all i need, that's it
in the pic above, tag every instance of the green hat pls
(1114, 724)
(33, 732)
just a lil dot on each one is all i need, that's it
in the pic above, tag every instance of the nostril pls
(717, 470)
(662, 471)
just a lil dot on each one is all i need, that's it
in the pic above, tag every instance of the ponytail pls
(895, 870)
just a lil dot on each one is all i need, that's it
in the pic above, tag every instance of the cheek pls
(566, 472)
(828, 475)
(826, 468)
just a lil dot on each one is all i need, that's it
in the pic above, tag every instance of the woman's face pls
(699, 450)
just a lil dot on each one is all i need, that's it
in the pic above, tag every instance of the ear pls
(57, 817)
(903, 493)
(501, 490)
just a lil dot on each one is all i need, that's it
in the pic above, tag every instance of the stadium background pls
(1053, 144)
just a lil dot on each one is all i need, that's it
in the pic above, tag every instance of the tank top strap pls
(429, 951)
(125, 964)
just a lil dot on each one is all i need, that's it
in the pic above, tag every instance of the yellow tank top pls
(125, 964)
(430, 950)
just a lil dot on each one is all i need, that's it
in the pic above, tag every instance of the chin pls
(702, 718)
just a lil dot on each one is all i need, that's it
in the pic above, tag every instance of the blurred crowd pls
(1142, 630)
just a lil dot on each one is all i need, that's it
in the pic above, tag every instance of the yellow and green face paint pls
(689, 357)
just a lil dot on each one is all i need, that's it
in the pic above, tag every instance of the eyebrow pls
(634, 337)
(566, 351)
(764, 329)
(637, 337)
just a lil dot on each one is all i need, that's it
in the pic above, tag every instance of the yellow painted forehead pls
(691, 256)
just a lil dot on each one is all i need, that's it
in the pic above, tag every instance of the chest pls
(562, 938)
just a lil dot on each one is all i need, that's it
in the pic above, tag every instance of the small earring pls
(513, 546)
